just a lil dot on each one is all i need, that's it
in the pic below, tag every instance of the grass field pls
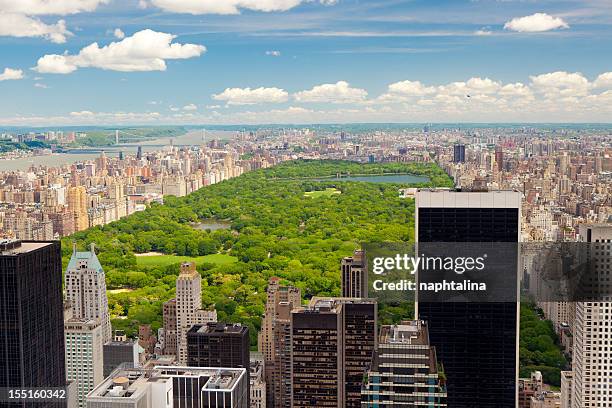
(165, 260)
(322, 193)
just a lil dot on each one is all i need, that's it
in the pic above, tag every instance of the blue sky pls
(293, 61)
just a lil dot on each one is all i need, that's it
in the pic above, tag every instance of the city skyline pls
(88, 62)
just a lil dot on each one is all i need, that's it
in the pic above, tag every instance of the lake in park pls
(212, 224)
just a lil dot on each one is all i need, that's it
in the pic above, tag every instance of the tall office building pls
(172, 387)
(332, 344)
(592, 353)
(274, 341)
(459, 153)
(476, 342)
(404, 370)
(189, 307)
(86, 289)
(31, 316)
(84, 361)
(355, 275)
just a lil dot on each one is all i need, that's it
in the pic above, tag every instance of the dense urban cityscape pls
(562, 180)
(305, 204)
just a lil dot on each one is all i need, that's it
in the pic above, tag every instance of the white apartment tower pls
(592, 365)
(84, 362)
(86, 289)
(189, 307)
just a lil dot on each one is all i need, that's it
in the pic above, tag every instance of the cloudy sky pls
(304, 61)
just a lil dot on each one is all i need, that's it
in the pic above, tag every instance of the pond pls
(386, 178)
(212, 224)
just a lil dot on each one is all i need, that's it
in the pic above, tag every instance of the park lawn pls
(321, 193)
(165, 260)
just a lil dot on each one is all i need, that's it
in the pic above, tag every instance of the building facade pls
(85, 286)
(31, 316)
(84, 361)
(354, 271)
(332, 341)
(592, 353)
(476, 342)
(404, 370)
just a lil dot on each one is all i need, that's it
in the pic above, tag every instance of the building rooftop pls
(216, 327)
(11, 247)
(132, 383)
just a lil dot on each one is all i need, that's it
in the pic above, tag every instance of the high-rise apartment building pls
(169, 319)
(592, 350)
(77, 206)
(84, 362)
(332, 344)
(355, 275)
(476, 342)
(404, 370)
(274, 341)
(86, 289)
(31, 316)
(189, 307)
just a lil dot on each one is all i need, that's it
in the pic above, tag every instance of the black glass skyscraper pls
(459, 153)
(31, 317)
(476, 342)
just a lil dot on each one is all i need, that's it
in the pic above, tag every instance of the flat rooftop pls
(16, 247)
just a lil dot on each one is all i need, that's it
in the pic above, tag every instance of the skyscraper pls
(86, 289)
(332, 344)
(355, 275)
(459, 153)
(189, 307)
(592, 353)
(476, 342)
(404, 370)
(84, 348)
(274, 341)
(31, 316)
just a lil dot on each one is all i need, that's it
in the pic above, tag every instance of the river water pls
(191, 138)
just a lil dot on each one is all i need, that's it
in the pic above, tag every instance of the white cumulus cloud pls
(11, 74)
(603, 81)
(146, 50)
(273, 53)
(229, 6)
(19, 25)
(118, 33)
(248, 96)
(41, 7)
(535, 23)
(190, 107)
(561, 83)
(340, 92)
